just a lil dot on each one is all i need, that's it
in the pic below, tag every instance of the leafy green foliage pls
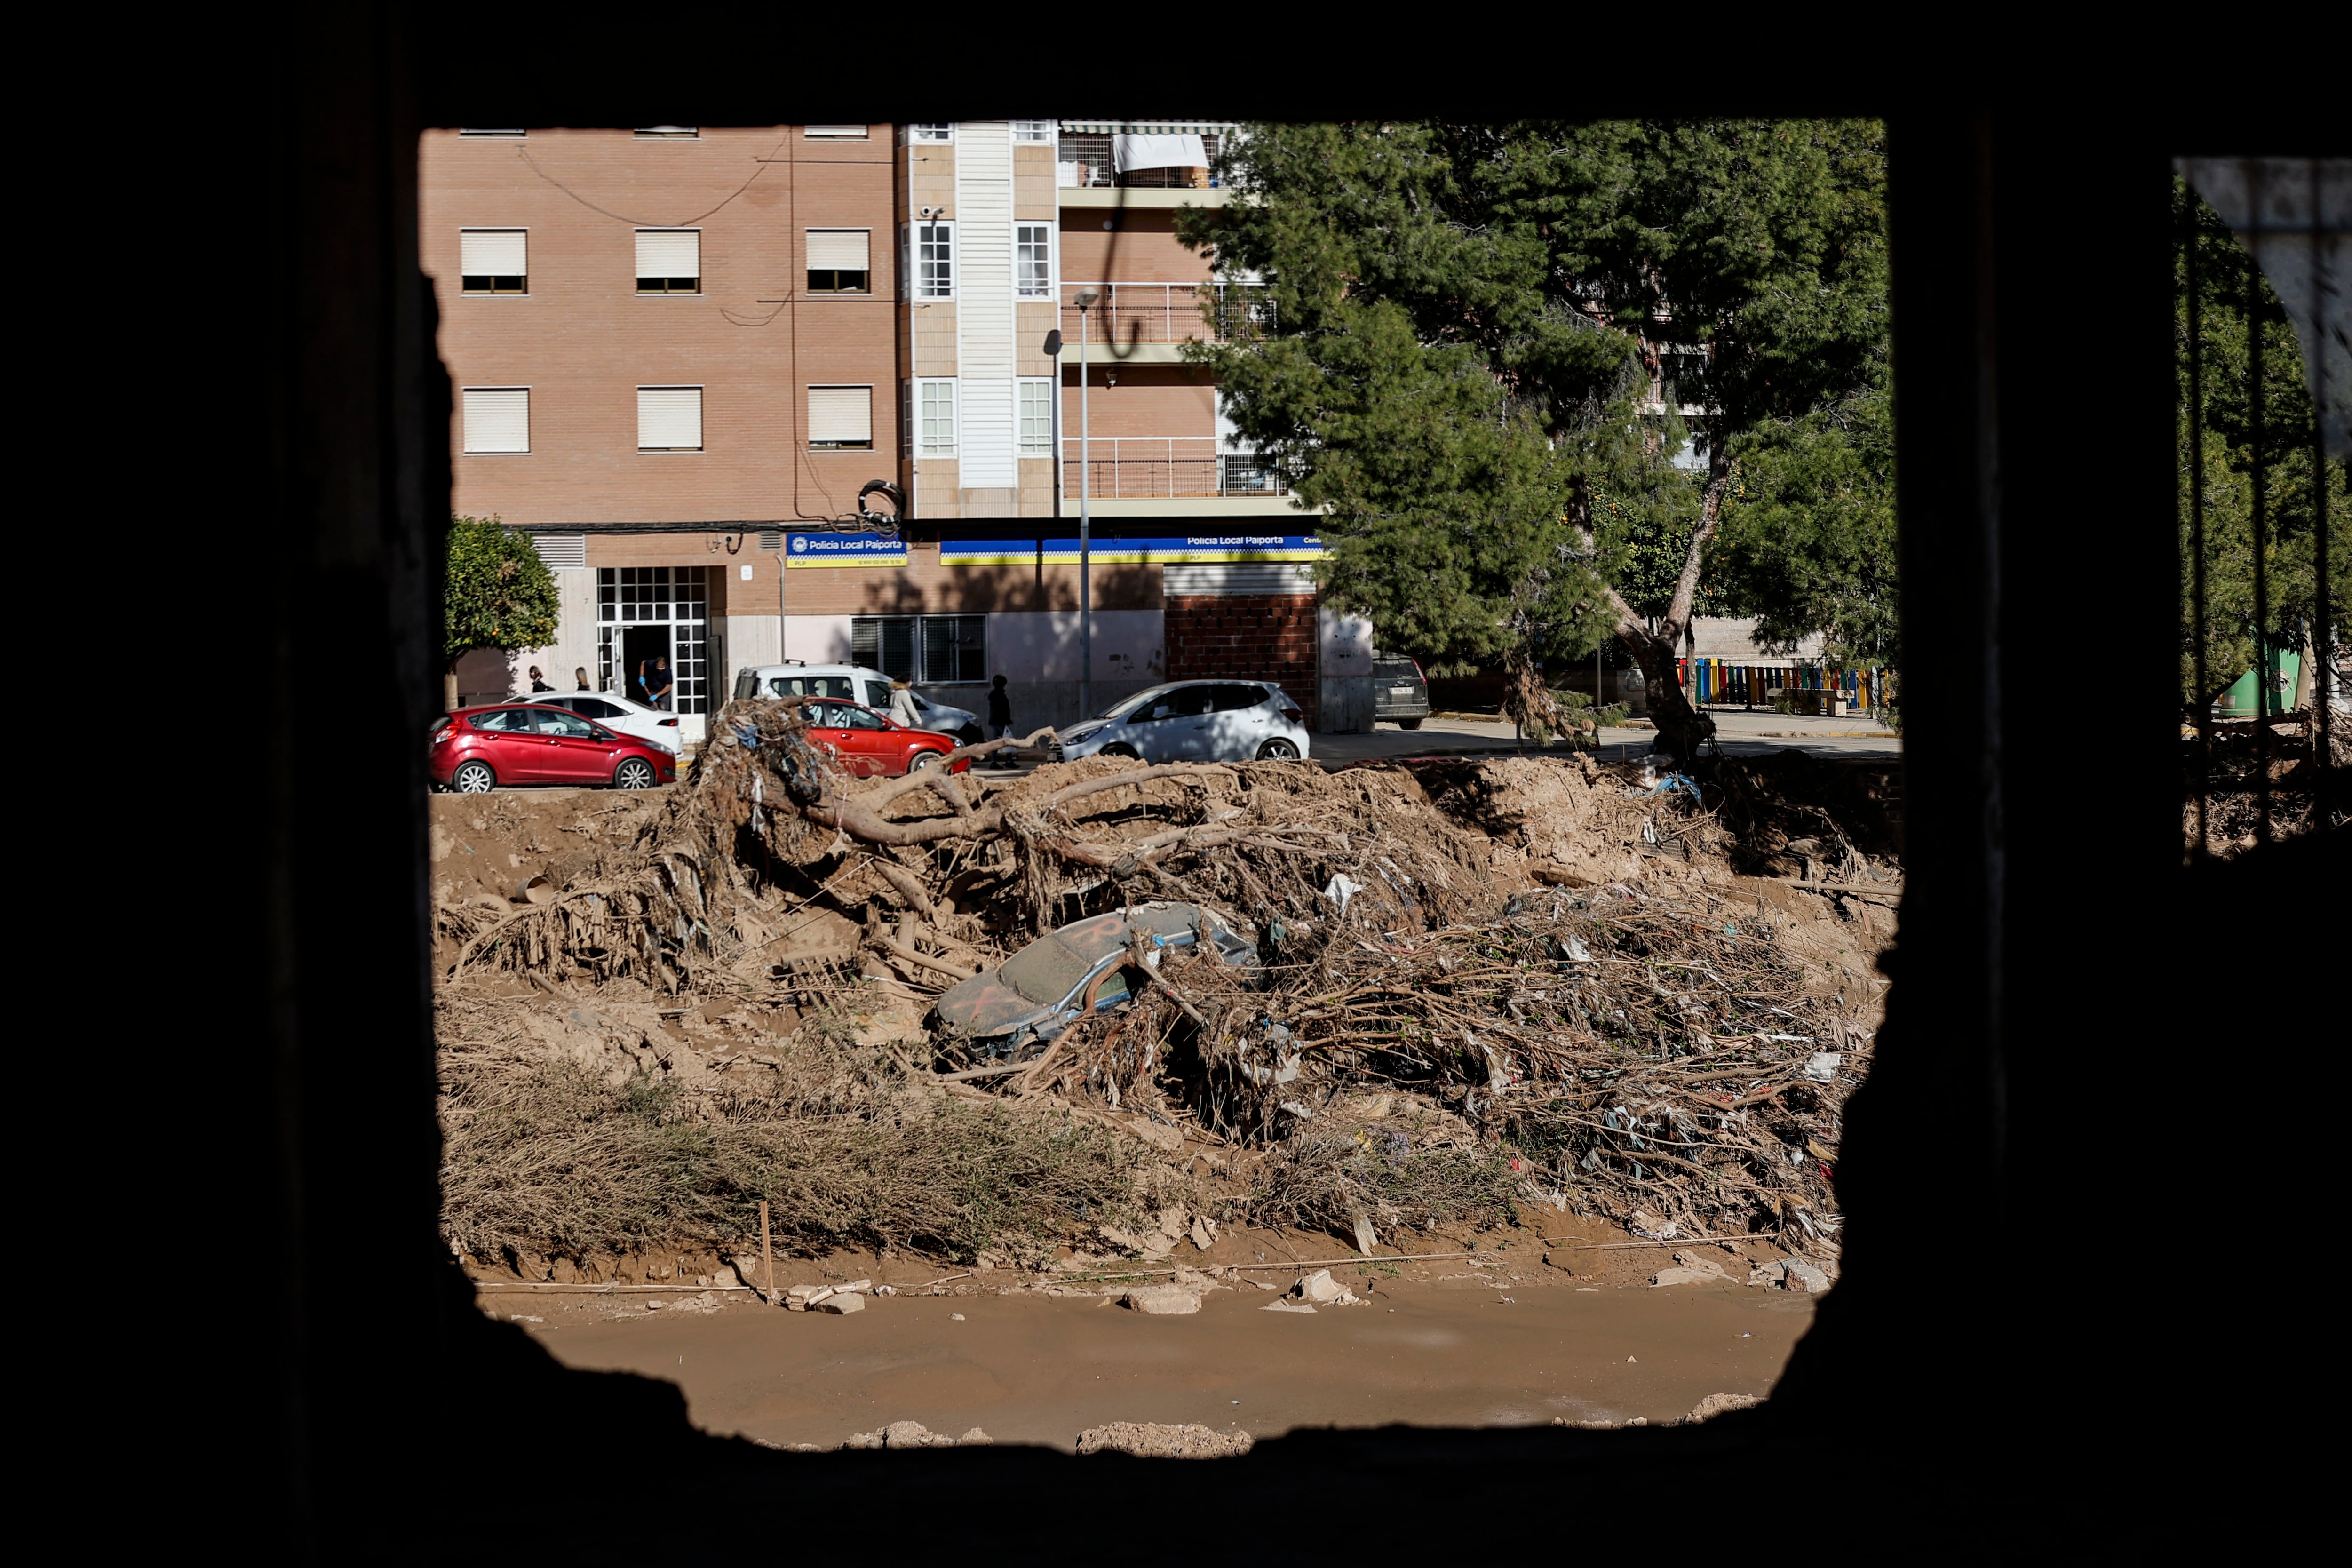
(2225, 480)
(1808, 538)
(1485, 334)
(499, 593)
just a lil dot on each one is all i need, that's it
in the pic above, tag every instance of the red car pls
(872, 746)
(478, 749)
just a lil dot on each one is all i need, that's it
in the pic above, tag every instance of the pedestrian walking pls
(902, 706)
(1000, 710)
(538, 681)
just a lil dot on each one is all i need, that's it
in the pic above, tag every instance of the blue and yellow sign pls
(1200, 548)
(843, 550)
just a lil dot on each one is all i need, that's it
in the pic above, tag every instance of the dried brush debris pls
(1427, 1039)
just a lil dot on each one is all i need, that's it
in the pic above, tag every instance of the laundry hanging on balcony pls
(1131, 153)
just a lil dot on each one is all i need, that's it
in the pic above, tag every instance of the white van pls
(853, 683)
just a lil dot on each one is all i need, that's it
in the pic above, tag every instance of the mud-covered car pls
(1081, 969)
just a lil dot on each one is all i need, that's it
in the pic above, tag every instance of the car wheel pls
(474, 778)
(636, 772)
(1408, 723)
(922, 759)
(971, 735)
(1278, 751)
(1123, 750)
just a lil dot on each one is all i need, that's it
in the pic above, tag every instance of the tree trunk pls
(1681, 727)
(449, 687)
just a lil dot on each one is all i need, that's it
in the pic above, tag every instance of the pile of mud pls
(1484, 988)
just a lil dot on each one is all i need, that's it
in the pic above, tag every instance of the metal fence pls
(1166, 312)
(2264, 586)
(1142, 468)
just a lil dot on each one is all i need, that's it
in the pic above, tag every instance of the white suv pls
(853, 683)
(1192, 721)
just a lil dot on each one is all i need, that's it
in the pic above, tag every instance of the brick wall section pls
(1261, 637)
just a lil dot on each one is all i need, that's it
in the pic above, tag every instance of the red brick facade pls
(1262, 636)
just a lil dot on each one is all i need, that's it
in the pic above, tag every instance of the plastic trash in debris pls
(1340, 889)
(1684, 782)
(1821, 1067)
(1320, 1289)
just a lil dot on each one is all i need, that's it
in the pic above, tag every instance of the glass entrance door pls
(645, 613)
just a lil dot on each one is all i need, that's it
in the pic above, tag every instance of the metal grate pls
(561, 549)
(2262, 446)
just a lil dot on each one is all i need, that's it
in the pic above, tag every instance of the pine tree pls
(1489, 344)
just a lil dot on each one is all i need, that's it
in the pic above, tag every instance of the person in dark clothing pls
(580, 674)
(538, 681)
(1000, 710)
(654, 682)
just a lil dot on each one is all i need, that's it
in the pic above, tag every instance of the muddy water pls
(1040, 1370)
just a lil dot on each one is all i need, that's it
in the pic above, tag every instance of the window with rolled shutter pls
(840, 262)
(852, 133)
(669, 419)
(841, 417)
(669, 260)
(493, 260)
(497, 418)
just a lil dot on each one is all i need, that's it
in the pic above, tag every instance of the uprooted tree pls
(1642, 1051)
(1488, 345)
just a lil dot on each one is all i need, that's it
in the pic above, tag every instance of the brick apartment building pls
(681, 352)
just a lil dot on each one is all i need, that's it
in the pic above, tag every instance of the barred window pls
(954, 649)
(934, 650)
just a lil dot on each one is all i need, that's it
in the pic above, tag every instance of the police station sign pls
(844, 549)
(1207, 548)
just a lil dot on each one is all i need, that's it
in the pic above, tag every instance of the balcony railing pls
(1166, 312)
(1130, 468)
(1086, 162)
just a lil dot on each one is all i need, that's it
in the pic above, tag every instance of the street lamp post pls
(1087, 298)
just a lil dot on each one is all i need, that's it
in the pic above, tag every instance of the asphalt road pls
(1740, 733)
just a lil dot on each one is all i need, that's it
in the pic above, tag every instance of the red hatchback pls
(478, 749)
(871, 746)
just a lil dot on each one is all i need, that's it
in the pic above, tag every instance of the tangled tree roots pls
(1628, 1040)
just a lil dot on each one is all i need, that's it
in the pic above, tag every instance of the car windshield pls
(1126, 705)
(1046, 971)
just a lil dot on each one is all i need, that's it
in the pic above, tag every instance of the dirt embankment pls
(1505, 998)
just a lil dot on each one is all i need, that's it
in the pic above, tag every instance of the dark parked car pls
(1081, 969)
(476, 750)
(1400, 692)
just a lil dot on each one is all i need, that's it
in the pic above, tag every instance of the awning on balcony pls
(1145, 127)
(1131, 153)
